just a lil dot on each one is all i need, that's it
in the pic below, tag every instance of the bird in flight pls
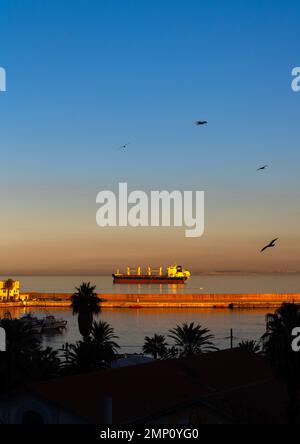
(263, 168)
(123, 147)
(270, 245)
(201, 122)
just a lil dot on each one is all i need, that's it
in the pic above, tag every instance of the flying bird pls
(201, 122)
(123, 147)
(263, 168)
(270, 245)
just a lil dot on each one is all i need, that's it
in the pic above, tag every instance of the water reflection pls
(132, 325)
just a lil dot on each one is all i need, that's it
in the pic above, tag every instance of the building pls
(9, 290)
(225, 387)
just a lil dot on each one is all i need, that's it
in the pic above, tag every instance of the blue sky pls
(85, 77)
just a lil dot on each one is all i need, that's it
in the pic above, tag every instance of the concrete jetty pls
(135, 300)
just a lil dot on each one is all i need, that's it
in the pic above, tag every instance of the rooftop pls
(229, 381)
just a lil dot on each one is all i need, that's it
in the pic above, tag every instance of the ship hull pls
(148, 279)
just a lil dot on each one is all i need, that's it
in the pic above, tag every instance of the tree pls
(103, 336)
(15, 362)
(45, 364)
(20, 337)
(86, 304)
(83, 357)
(24, 361)
(192, 339)
(250, 346)
(8, 285)
(155, 346)
(95, 352)
(277, 345)
(171, 353)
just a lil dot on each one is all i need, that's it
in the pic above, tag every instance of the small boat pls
(31, 321)
(51, 323)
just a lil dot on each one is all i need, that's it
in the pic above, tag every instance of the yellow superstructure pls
(178, 271)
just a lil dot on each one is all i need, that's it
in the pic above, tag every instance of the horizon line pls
(199, 273)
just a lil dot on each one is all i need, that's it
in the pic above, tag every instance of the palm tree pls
(83, 357)
(86, 304)
(21, 343)
(20, 338)
(8, 285)
(155, 346)
(250, 346)
(192, 339)
(171, 353)
(103, 336)
(24, 361)
(277, 344)
(44, 364)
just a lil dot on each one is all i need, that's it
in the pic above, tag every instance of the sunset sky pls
(85, 77)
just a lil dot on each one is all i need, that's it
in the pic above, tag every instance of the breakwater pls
(135, 300)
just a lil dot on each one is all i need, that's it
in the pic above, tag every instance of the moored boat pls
(31, 321)
(51, 323)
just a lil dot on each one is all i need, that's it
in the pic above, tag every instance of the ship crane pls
(158, 270)
(137, 270)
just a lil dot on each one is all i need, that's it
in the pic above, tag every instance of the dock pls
(136, 301)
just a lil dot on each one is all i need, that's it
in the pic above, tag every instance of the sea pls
(132, 325)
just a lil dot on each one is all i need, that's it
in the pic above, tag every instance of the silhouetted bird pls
(123, 147)
(263, 168)
(270, 245)
(201, 122)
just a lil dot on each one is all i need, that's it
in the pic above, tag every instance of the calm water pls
(133, 325)
(207, 284)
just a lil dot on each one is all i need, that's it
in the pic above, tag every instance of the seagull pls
(201, 122)
(263, 168)
(270, 245)
(123, 147)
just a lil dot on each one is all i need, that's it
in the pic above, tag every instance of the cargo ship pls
(174, 274)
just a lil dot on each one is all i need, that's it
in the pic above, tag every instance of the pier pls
(135, 300)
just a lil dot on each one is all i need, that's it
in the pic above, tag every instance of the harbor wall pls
(135, 300)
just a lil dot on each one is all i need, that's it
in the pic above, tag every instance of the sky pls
(83, 78)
